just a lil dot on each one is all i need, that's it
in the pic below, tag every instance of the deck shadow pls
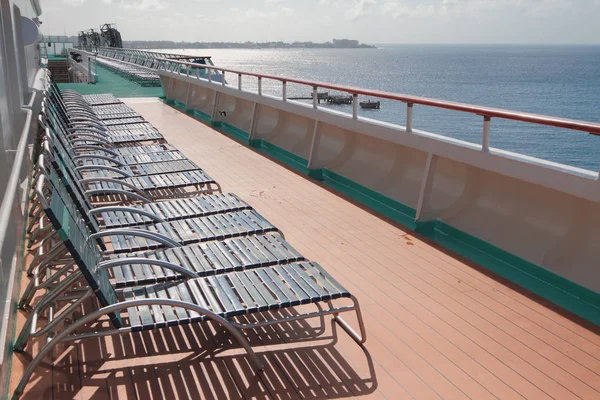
(302, 360)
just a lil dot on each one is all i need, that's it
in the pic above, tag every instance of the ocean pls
(562, 81)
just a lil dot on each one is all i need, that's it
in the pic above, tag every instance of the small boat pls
(370, 105)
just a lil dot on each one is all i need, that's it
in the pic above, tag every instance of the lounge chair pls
(180, 232)
(101, 180)
(211, 257)
(216, 298)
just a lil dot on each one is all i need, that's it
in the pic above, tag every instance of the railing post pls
(187, 70)
(426, 186)
(485, 142)
(354, 106)
(284, 90)
(223, 78)
(209, 71)
(409, 116)
(239, 81)
(197, 73)
(315, 97)
(313, 144)
(260, 86)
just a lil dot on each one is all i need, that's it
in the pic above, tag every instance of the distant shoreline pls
(164, 44)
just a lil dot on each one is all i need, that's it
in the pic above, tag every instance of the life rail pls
(487, 113)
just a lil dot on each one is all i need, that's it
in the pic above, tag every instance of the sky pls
(369, 21)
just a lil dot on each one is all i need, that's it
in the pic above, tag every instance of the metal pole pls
(315, 97)
(223, 80)
(197, 73)
(409, 116)
(354, 106)
(284, 90)
(209, 71)
(260, 86)
(239, 81)
(485, 142)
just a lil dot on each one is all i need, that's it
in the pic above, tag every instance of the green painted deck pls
(109, 82)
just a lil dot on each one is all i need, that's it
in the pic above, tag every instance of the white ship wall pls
(19, 73)
(541, 212)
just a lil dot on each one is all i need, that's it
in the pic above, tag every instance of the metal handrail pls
(486, 112)
(13, 181)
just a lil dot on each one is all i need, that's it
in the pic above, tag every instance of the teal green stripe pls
(563, 292)
(232, 131)
(569, 295)
(282, 155)
(370, 198)
(14, 306)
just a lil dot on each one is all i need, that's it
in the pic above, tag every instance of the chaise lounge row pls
(120, 215)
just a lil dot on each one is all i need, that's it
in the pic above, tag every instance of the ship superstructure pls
(476, 268)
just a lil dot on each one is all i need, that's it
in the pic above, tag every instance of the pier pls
(327, 98)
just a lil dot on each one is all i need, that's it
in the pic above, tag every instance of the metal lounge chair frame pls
(150, 187)
(241, 252)
(217, 298)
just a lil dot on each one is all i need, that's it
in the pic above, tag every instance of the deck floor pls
(438, 326)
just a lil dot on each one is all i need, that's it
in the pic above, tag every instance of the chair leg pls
(34, 284)
(360, 339)
(26, 331)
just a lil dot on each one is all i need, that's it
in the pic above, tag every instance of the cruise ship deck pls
(438, 325)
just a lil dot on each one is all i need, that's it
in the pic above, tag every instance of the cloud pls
(397, 9)
(74, 3)
(143, 5)
(241, 14)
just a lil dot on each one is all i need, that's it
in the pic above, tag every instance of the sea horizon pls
(554, 80)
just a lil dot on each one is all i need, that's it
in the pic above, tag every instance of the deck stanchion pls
(354, 106)
(409, 116)
(260, 86)
(239, 81)
(209, 72)
(315, 97)
(485, 142)
(284, 90)
(197, 73)
(223, 75)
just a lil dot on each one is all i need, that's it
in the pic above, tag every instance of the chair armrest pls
(126, 209)
(157, 237)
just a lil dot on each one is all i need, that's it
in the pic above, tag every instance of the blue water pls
(561, 81)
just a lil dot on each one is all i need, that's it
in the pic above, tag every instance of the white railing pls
(87, 67)
(486, 113)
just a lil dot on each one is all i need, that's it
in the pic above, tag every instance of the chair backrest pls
(75, 235)
(73, 196)
(64, 167)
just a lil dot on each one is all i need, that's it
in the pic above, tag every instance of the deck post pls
(284, 90)
(354, 106)
(223, 78)
(169, 89)
(313, 144)
(315, 97)
(485, 142)
(239, 81)
(187, 96)
(260, 86)
(426, 185)
(253, 122)
(409, 116)
(209, 70)
(213, 115)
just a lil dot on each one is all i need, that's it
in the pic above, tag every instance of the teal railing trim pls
(544, 283)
